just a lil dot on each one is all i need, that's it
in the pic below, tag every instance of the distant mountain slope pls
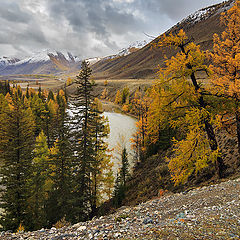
(144, 62)
(45, 62)
(133, 47)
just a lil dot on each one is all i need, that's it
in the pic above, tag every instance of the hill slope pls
(144, 63)
(207, 213)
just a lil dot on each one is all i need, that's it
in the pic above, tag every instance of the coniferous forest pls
(53, 166)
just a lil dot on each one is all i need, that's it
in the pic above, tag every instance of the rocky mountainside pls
(5, 61)
(45, 62)
(144, 62)
(210, 212)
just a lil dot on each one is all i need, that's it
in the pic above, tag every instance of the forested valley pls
(56, 169)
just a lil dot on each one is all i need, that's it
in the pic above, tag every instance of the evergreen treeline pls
(53, 167)
(4, 87)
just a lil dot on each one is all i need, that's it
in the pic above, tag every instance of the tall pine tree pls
(85, 154)
(38, 182)
(61, 169)
(17, 143)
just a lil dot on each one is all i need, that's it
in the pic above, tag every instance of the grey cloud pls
(98, 17)
(19, 29)
(87, 27)
(11, 11)
(180, 9)
(174, 9)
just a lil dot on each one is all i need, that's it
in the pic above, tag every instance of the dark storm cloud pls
(11, 11)
(86, 27)
(99, 17)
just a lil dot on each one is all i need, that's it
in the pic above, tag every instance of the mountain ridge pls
(43, 62)
(144, 63)
(122, 52)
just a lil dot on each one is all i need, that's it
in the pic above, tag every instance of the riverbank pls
(110, 107)
(113, 107)
(210, 212)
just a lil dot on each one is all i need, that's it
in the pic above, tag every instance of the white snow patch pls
(43, 56)
(5, 61)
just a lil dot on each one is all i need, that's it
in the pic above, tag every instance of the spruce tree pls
(101, 131)
(50, 95)
(92, 159)
(27, 92)
(120, 183)
(38, 182)
(17, 142)
(124, 172)
(119, 191)
(84, 144)
(61, 172)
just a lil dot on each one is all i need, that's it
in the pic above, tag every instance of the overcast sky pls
(86, 28)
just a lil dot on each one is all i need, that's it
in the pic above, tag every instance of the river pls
(122, 127)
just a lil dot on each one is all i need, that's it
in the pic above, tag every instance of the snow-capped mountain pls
(93, 60)
(4, 61)
(44, 62)
(132, 48)
(144, 63)
(47, 54)
(123, 52)
(204, 14)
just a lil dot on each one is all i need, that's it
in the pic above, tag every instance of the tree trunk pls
(219, 164)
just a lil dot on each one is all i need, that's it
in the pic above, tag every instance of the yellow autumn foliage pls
(192, 154)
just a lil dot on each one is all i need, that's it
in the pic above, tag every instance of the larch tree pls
(226, 63)
(191, 154)
(106, 178)
(118, 97)
(141, 103)
(168, 101)
(105, 93)
(185, 64)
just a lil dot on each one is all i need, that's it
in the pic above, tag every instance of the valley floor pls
(211, 212)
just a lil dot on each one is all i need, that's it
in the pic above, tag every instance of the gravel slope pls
(211, 212)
